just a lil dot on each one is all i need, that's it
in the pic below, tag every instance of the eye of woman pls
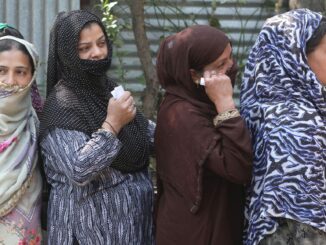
(21, 71)
(2, 70)
(226, 62)
(220, 66)
(83, 48)
(101, 43)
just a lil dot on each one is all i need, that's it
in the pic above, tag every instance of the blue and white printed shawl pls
(284, 107)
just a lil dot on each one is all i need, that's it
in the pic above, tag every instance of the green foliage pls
(120, 70)
(110, 20)
(113, 28)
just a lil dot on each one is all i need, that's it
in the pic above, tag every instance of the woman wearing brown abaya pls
(203, 148)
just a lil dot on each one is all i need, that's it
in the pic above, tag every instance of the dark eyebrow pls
(220, 62)
(102, 37)
(89, 42)
(223, 60)
(22, 67)
(82, 44)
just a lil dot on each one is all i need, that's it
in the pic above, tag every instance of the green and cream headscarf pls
(18, 139)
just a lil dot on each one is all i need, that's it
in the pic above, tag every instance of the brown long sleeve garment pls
(202, 171)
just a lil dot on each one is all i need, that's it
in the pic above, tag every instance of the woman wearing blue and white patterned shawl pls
(283, 104)
(20, 179)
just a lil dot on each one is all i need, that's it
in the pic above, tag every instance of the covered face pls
(195, 48)
(79, 48)
(221, 65)
(18, 60)
(92, 43)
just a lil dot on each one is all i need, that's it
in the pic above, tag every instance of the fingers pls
(134, 109)
(126, 100)
(131, 108)
(130, 101)
(212, 77)
(212, 74)
(111, 100)
(129, 105)
(125, 96)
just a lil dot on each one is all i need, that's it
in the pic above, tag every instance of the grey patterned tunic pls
(89, 200)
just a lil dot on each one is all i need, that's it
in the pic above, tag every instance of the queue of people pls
(254, 176)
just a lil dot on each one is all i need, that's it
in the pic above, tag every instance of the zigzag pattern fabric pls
(284, 107)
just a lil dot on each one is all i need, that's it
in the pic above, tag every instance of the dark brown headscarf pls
(181, 150)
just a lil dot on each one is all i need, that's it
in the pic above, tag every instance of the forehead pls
(90, 32)
(319, 49)
(322, 41)
(226, 53)
(14, 56)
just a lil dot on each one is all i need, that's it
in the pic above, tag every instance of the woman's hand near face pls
(220, 91)
(120, 112)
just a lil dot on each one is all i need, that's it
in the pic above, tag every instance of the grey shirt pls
(89, 200)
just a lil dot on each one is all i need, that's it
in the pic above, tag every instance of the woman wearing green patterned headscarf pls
(20, 179)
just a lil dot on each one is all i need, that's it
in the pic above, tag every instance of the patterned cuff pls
(106, 131)
(225, 116)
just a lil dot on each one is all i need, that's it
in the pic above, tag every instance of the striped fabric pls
(284, 107)
(89, 200)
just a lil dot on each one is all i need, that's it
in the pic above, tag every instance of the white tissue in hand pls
(117, 92)
(202, 82)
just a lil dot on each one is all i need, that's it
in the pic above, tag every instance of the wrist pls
(225, 105)
(221, 117)
(110, 126)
